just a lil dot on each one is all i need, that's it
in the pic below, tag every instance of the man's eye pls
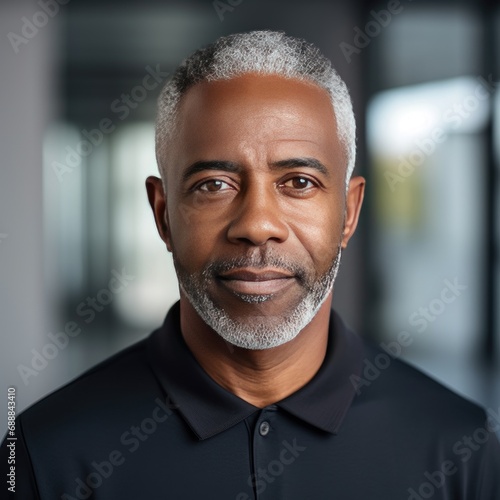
(213, 186)
(299, 183)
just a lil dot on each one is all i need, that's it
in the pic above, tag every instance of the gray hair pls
(263, 52)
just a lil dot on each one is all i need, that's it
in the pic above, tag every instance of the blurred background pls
(83, 272)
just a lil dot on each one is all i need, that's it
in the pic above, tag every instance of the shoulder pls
(105, 393)
(412, 399)
(426, 430)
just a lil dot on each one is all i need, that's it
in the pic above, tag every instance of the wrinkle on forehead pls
(259, 119)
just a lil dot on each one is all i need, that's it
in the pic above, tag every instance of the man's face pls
(255, 205)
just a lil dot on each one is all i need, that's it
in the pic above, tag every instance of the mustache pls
(257, 260)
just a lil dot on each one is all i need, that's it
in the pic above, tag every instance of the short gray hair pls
(262, 52)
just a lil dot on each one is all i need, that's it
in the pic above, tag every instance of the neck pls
(260, 377)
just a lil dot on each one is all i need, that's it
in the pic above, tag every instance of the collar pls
(209, 409)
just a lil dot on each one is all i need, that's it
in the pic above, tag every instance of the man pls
(251, 388)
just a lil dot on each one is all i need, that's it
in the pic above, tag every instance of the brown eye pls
(299, 183)
(213, 186)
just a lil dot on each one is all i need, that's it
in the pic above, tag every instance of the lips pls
(256, 281)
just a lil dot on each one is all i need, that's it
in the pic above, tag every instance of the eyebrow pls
(228, 166)
(301, 162)
(200, 166)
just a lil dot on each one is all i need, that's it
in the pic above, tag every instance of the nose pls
(258, 219)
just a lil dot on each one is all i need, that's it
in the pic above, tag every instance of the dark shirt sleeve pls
(488, 482)
(25, 483)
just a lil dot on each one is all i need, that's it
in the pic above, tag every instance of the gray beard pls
(258, 332)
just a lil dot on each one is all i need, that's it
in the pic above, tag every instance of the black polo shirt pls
(149, 423)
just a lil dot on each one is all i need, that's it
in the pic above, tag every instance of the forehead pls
(259, 113)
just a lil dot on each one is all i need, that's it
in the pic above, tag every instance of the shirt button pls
(264, 428)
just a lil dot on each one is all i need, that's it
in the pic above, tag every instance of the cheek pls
(194, 235)
(321, 234)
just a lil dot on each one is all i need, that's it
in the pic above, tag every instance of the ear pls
(158, 202)
(354, 200)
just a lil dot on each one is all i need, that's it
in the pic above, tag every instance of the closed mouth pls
(256, 281)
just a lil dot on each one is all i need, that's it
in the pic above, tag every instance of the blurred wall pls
(28, 86)
(61, 241)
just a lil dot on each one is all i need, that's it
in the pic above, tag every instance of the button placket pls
(265, 448)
